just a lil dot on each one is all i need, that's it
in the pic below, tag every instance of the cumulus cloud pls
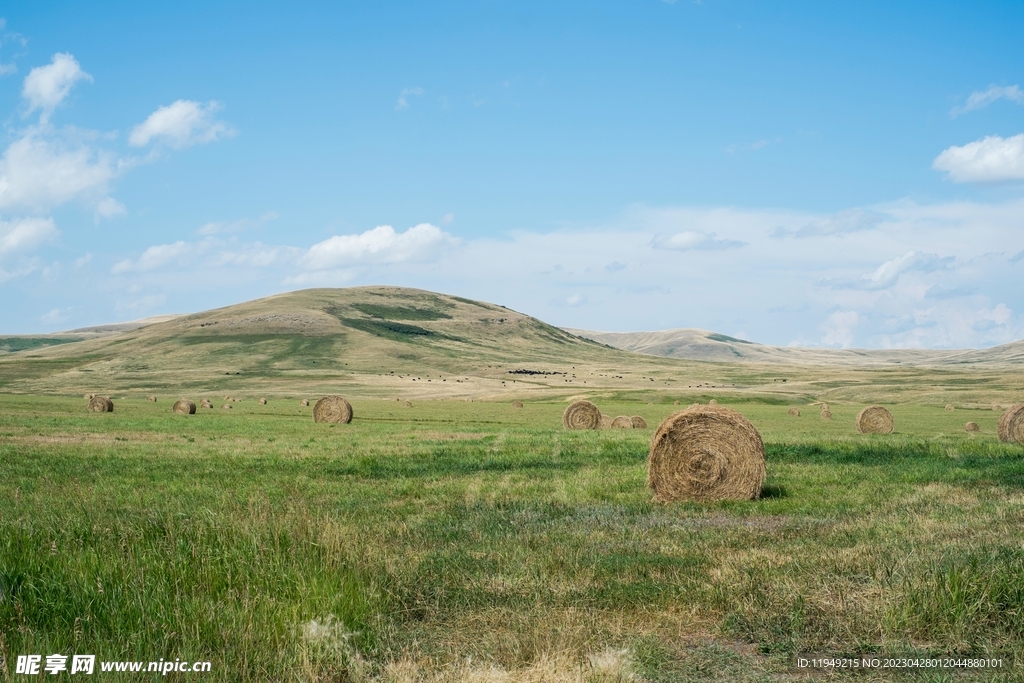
(39, 172)
(379, 245)
(181, 124)
(24, 234)
(155, 257)
(46, 87)
(989, 160)
(982, 98)
(694, 240)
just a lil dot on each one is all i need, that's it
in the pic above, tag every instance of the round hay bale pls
(875, 420)
(713, 402)
(826, 415)
(794, 412)
(706, 453)
(205, 403)
(407, 404)
(824, 406)
(638, 422)
(622, 422)
(517, 404)
(151, 399)
(1011, 424)
(304, 402)
(972, 427)
(581, 415)
(333, 409)
(675, 403)
(228, 398)
(949, 408)
(262, 401)
(100, 404)
(649, 403)
(184, 407)
(606, 421)
(997, 407)
(88, 397)
(227, 406)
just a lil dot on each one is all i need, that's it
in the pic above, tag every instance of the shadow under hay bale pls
(875, 420)
(794, 412)
(100, 404)
(332, 409)
(972, 427)
(706, 453)
(183, 407)
(581, 415)
(1011, 424)
(517, 404)
(622, 422)
(638, 422)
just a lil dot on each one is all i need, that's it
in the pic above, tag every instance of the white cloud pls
(991, 159)
(53, 317)
(402, 102)
(838, 328)
(46, 86)
(887, 274)
(379, 245)
(694, 239)
(24, 234)
(155, 257)
(983, 98)
(181, 124)
(39, 173)
(840, 223)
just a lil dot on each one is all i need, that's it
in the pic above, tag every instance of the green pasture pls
(452, 539)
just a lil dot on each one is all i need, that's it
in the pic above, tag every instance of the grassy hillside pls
(388, 342)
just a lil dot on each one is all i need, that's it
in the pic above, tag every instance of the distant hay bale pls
(972, 427)
(824, 406)
(205, 403)
(649, 403)
(997, 407)
(262, 401)
(949, 408)
(713, 402)
(606, 421)
(151, 399)
(1011, 424)
(582, 415)
(332, 409)
(88, 397)
(228, 398)
(622, 422)
(675, 403)
(517, 404)
(304, 402)
(184, 407)
(794, 412)
(100, 404)
(227, 406)
(407, 404)
(875, 420)
(638, 422)
(706, 453)
(826, 415)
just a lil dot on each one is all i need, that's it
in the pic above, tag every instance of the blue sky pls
(799, 173)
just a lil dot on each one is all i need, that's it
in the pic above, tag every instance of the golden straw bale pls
(517, 404)
(706, 453)
(972, 427)
(581, 415)
(826, 415)
(407, 404)
(262, 401)
(183, 406)
(875, 420)
(622, 422)
(638, 422)
(675, 403)
(333, 409)
(1011, 424)
(227, 406)
(151, 399)
(606, 421)
(949, 408)
(88, 397)
(100, 404)
(794, 412)
(713, 402)
(304, 402)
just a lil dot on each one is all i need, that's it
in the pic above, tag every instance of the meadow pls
(470, 541)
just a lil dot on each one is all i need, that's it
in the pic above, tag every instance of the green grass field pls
(475, 542)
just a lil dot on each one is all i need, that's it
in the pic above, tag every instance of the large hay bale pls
(875, 420)
(1011, 424)
(184, 406)
(706, 453)
(794, 412)
(517, 404)
(333, 409)
(972, 427)
(581, 415)
(949, 408)
(227, 406)
(638, 422)
(622, 422)
(606, 421)
(151, 399)
(262, 401)
(826, 415)
(100, 404)
(304, 402)
(713, 402)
